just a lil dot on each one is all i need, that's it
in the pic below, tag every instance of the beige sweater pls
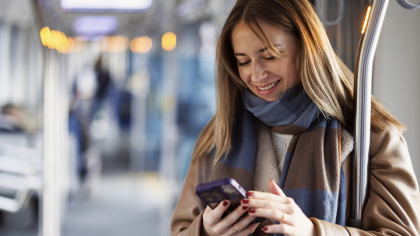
(272, 152)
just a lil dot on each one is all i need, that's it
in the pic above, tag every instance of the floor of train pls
(124, 204)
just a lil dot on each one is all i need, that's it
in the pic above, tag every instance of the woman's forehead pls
(244, 39)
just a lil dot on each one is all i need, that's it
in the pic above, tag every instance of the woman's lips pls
(268, 91)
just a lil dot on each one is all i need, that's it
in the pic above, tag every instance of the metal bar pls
(408, 5)
(362, 102)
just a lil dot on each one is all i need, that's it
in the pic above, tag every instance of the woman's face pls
(266, 76)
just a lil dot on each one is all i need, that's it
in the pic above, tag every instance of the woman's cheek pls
(244, 76)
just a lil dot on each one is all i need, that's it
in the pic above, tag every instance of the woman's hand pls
(277, 206)
(215, 225)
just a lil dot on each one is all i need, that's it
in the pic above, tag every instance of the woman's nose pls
(258, 72)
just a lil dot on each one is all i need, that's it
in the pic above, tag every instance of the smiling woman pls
(268, 75)
(284, 105)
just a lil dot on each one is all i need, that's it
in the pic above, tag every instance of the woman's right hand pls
(215, 225)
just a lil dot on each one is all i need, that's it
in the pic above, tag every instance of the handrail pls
(408, 5)
(362, 107)
(362, 104)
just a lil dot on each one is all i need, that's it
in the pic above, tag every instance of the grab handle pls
(408, 5)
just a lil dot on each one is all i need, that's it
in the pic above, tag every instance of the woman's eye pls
(242, 64)
(270, 59)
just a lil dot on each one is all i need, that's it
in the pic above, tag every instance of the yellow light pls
(366, 20)
(141, 44)
(61, 42)
(65, 46)
(70, 45)
(115, 44)
(169, 41)
(45, 36)
(54, 40)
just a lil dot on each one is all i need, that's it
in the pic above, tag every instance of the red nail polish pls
(225, 203)
(244, 208)
(245, 201)
(250, 194)
(251, 211)
(271, 179)
(264, 229)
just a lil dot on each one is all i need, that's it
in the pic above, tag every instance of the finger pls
(214, 215)
(270, 196)
(243, 223)
(231, 218)
(274, 214)
(279, 228)
(275, 189)
(248, 230)
(267, 204)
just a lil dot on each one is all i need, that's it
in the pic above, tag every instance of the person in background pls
(105, 88)
(13, 119)
(281, 129)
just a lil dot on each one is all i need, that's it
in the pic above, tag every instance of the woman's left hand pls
(277, 206)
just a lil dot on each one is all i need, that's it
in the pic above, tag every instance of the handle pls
(408, 5)
(327, 22)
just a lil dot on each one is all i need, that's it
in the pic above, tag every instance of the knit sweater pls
(271, 152)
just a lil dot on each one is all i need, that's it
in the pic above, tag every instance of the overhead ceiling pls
(161, 16)
(16, 12)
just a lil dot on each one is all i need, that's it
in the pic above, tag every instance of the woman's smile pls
(267, 89)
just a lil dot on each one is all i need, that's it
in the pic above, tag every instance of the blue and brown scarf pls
(312, 174)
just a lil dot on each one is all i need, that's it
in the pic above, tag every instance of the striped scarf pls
(312, 173)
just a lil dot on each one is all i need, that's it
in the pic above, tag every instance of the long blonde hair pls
(325, 78)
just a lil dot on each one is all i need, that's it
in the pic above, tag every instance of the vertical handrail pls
(362, 107)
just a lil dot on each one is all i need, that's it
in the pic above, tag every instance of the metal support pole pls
(362, 102)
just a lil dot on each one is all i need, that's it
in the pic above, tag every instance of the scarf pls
(312, 173)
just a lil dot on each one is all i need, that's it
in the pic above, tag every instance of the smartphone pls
(212, 193)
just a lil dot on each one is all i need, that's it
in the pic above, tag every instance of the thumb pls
(275, 189)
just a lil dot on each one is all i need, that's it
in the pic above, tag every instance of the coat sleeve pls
(393, 204)
(187, 218)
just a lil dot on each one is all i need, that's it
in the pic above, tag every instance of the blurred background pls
(102, 101)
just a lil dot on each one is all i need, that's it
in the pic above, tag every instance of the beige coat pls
(392, 208)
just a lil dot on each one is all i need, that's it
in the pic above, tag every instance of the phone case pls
(212, 193)
(216, 191)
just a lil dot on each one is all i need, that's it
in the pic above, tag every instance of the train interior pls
(102, 103)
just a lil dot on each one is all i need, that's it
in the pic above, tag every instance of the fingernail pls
(245, 201)
(271, 179)
(244, 208)
(251, 211)
(225, 203)
(250, 194)
(264, 229)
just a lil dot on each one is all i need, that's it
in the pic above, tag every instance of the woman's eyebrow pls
(259, 51)
(264, 49)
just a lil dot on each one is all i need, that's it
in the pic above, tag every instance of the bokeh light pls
(54, 39)
(169, 41)
(115, 44)
(141, 44)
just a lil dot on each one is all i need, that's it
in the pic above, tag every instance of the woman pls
(280, 129)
